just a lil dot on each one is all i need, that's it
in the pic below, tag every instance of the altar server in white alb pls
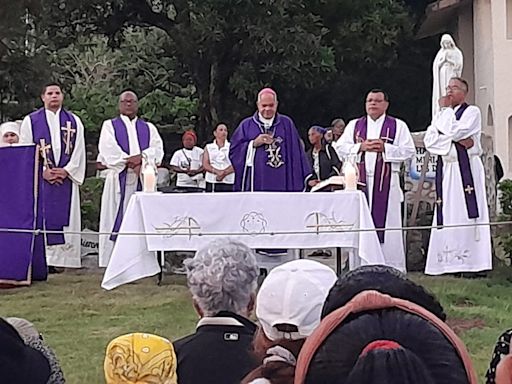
(122, 142)
(461, 199)
(381, 143)
(61, 136)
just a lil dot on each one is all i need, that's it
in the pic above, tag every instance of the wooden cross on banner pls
(68, 133)
(44, 148)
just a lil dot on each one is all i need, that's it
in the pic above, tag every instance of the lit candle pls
(149, 179)
(350, 174)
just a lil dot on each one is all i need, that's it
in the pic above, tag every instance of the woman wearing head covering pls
(19, 362)
(187, 162)
(10, 133)
(322, 156)
(382, 278)
(288, 307)
(376, 338)
(140, 358)
(34, 340)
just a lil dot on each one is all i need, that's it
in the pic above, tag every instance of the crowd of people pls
(266, 153)
(370, 325)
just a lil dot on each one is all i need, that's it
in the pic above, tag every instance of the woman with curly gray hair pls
(222, 278)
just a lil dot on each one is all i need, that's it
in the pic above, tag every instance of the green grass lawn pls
(78, 318)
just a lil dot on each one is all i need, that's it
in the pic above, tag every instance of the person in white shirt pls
(220, 174)
(122, 142)
(382, 144)
(187, 162)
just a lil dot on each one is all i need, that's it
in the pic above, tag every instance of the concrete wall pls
(492, 61)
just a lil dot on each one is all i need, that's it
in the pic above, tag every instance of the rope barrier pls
(333, 229)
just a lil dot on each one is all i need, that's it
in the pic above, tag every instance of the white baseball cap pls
(294, 294)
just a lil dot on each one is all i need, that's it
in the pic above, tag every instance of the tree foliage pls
(320, 55)
(95, 74)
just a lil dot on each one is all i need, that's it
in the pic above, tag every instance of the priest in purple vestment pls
(381, 143)
(60, 134)
(266, 151)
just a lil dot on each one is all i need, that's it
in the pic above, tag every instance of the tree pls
(94, 75)
(228, 47)
(311, 51)
(22, 61)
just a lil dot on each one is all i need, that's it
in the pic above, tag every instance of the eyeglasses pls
(454, 88)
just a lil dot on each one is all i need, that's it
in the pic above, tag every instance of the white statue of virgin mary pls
(447, 64)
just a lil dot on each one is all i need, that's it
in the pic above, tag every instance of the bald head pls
(128, 104)
(267, 103)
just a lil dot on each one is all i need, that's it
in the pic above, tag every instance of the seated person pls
(322, 156)
(384, 279)
(377, 339)
(140, 358)
(501, 361)
(34, 339)
(187, 162)
(222, 278)
(10, 132)
(20, 363)
(288, 307)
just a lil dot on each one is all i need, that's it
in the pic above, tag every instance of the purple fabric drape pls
(22, 255)
(122, 140)
(382, 172)
(468, 184)
(55, 199)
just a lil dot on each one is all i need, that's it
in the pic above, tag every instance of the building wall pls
(502, 56)
(492, 63)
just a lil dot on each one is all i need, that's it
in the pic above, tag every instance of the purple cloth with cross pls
(468, 184)
(382, 172)
(55, 199)
(22, 255)
(121, 134)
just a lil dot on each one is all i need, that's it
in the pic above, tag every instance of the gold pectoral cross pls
(68, 135)
(44, 148)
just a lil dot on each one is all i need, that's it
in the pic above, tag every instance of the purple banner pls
(21, 254)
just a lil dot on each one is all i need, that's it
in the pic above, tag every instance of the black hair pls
(378, 90)
(425, 355)
(50, 84)
(384, 279)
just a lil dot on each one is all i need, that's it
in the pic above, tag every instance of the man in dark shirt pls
(222, 279)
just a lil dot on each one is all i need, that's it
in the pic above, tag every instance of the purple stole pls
(55, 198)
(122, 140)
(467, 178)
(382, 173)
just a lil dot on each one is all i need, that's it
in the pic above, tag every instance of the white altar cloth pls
(188, 221)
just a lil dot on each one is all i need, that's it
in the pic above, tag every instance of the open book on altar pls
(331, 184)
